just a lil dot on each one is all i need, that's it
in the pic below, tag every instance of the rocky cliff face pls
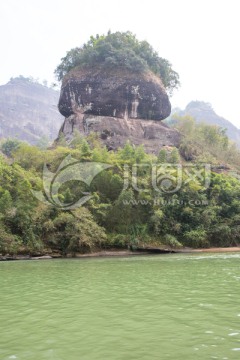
(28, 111)
(115, 132)
(116, 94)
(119, 106)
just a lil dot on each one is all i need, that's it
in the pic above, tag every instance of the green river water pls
(179, 307)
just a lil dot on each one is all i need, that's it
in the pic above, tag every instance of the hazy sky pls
(199, 37)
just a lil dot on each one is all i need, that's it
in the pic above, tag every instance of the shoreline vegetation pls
(125, 211)
(123, 253)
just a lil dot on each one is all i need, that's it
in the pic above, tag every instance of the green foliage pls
(171, 241)
(162, 156)
(174, 157)
(122, 50)
(108, 185)
(130, 154)
(193, 216)
(5, 202)
(127, 153)
(9, 243)
(118, 241)
(122, 213)
(28, 156)
(196, 238)
(205, 143)
(169, 155)
(9, 146)
(74, 232)
(85, 150)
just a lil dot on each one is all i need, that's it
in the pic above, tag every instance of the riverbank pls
(154, 252)
(217, 250)
(122, 253)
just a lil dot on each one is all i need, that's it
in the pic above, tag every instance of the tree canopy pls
(119, 49)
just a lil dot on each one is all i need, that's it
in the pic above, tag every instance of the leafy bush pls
(9, 243)
(9, 146)
(171, 241)
(74, 232)
(120, 49)
(119, 241)
(196, 238)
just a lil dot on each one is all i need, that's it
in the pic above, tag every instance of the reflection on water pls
(179, 307)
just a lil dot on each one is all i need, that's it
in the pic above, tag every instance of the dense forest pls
(141, 199)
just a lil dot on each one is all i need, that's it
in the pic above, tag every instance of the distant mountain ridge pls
(28, 111)
(203, 112)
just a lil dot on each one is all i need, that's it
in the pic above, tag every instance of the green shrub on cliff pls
(122, 50)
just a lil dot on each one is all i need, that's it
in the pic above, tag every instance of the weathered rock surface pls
(28, 111)
(118, 105)
(114, 93)
(115, 132)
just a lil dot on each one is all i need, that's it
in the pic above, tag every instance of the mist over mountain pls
(28, 111)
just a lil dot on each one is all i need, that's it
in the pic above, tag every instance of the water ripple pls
(158, 307)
